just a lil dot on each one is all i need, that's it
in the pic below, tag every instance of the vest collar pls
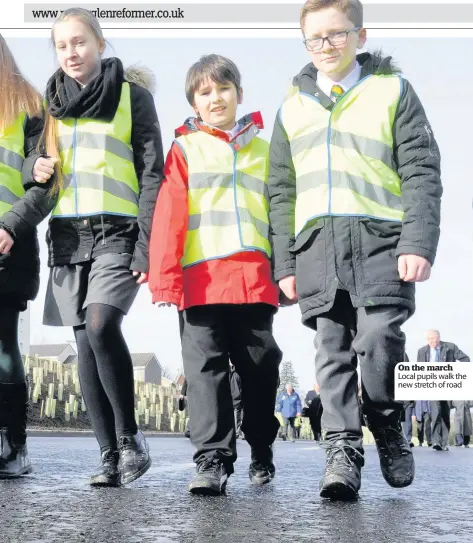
(251, 125)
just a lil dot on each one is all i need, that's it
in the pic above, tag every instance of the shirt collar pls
(325, 84)
(231, 133)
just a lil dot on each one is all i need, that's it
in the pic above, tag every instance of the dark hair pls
(352, 8)
(215, 67)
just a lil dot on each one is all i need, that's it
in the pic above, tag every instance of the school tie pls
(336, 93)
(437, 355)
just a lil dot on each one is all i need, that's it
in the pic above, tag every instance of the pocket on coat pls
(379, 240)
(311, 262)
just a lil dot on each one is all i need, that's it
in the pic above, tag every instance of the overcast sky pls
(267, 66)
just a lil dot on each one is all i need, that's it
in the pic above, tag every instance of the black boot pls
(14, 459)
(135, 460)
(342, 477)
(395, 455)
(211, 478)
(107, 473)
(261, 469)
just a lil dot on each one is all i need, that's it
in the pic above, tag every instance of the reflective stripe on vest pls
(228, 197)
(98, 166)
(343, 158)
(12, 154)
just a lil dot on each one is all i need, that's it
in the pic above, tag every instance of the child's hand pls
(43, 169)
(143, 277)
(288, 286)
(413, 268)
(6, 242)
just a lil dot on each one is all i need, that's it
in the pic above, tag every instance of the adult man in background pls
(290, 407)
(437, 351)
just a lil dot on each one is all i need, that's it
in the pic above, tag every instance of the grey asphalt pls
(55, 503)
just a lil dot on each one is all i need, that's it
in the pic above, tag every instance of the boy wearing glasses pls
(355, 190)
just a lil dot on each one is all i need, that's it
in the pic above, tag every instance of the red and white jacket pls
(242, 278)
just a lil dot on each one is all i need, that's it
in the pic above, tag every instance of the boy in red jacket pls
(210, 256)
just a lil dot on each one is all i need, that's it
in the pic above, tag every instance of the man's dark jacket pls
(449, 352)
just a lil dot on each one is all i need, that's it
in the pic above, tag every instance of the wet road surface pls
(55, 503)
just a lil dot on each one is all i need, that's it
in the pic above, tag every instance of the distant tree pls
(287, 375)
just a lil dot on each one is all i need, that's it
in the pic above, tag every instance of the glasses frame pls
(329, 37)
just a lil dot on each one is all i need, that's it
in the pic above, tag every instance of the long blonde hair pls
(17, 95)
(49, 138)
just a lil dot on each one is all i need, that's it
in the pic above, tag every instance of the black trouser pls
(211, 336)
(13, 381)
(344, 334)
(315, 417)
(407, 424)
(11, 364)
(462, 440)
(440, 422)
(425, 426)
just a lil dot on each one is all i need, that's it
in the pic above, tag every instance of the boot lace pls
(345, 453)
(391, 442)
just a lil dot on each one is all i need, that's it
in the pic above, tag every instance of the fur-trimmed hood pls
(142, 76)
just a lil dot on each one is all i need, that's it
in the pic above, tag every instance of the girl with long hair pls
(23, 204)
(101, 126)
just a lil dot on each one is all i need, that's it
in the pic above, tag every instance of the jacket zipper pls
(235, 196)
(429, 135)
(74, 180)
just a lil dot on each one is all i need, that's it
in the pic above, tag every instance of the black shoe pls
(411, 444)
(187, 433)
(261, 470)
(342, 477)
(395, 455)
(429, 444)
(107, 473)
(421, 444)
(437, 447)
(135, 460)
(14, 459)
(211, 478)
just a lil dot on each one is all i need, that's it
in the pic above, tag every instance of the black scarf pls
(97, 100)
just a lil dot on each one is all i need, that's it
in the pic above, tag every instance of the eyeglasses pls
(337, 38)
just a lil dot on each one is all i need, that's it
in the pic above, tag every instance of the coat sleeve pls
(36, 204)
(279, 404)
(169, 230)
(460, 355)
(148, 159)
(282, 202)
(417, 159)
(299, 404)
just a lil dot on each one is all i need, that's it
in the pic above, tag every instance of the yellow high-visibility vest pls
(98, 168)
(343, 158)
(12, 155)
(228, 197)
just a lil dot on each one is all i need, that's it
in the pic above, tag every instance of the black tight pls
(11, 364)
(106, 374)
